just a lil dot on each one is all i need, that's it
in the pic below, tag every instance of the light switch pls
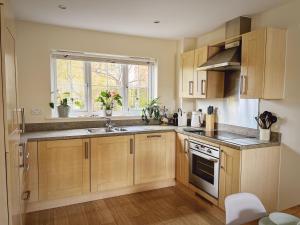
(36, 111)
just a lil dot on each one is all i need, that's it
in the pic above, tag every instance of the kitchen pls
(68, 155)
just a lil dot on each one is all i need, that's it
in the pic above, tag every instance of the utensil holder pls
(210, 122)
(264, 134)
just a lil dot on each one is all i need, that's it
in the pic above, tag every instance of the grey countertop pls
(224, 138)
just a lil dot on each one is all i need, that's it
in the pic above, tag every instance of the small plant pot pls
(108, 112)
(264, 134)
(63, 111)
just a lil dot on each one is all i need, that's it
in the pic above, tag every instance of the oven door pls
(204, 172)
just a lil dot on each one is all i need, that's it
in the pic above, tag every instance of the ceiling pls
(178, 18)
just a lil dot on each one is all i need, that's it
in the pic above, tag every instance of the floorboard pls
(167, 206)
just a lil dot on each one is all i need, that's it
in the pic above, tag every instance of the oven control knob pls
(197, 146)
(208, 150)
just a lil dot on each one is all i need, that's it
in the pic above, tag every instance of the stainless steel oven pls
(204, 167)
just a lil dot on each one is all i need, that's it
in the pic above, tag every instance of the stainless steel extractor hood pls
(229, 56)
(228, 59)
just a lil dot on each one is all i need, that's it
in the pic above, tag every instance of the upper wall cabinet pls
(199, 84)
(263, 64)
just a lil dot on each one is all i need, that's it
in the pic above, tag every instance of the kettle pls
(197, 118)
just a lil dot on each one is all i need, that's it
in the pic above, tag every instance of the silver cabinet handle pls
(86, 150)
(203, 87)
(154, 136)
(131, 146)
(22, 120)
(191, 87)
(243, 85)
(22, 154)
(186, 145)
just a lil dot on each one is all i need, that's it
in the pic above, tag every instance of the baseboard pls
(42, 205)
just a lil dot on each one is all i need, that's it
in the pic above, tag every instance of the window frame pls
(88, 111)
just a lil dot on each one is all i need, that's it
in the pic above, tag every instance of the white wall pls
(35, 41)
(287, 16)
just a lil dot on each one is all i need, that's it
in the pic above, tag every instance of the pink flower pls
(113, 94)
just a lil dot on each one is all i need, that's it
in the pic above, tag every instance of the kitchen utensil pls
(210, 110)
(179, 111)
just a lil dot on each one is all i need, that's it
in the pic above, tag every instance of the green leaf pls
(51, 104)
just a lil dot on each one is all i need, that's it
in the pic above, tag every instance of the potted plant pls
(152, 110)
(65, 101)
(108, 99)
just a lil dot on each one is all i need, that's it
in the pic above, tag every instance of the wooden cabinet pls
(187, 74)
(250, 170)
(182, 159)
(200, 84)
(154, 157)
(263, 64)
(229, 173)
(111, 162)
(63, 168)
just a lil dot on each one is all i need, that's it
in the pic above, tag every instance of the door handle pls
(186, 145)
(203, 87)
(191, 87)
(86, 150)
(154, 136)
(131, 146)
(223, 160)
(243, 85)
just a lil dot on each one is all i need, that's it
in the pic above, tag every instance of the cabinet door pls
(229, 173)
(111, 162)
(182, 159)
(200, 76)
(154, 157)
(63, 168)
(187, 74)
(253, 64)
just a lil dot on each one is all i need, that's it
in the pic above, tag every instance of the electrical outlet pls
(36, 111)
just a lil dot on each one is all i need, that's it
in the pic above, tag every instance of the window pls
(81, 78)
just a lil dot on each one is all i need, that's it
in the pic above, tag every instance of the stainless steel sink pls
(106, 130)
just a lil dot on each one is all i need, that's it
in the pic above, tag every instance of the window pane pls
(105, 76)
(138, 91)
(71, 82)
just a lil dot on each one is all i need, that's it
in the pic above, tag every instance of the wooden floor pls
(164, 206)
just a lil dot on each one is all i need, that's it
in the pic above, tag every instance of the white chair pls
(242, 208)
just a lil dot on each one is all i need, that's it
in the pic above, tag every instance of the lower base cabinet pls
(111, 162)
(229, 174)
(182, 159)
(249, 170)
(63, 168)
(154, 157)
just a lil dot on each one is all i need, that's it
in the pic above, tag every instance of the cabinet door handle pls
(191, 87)
(223, 160)
(203, 87)
(26, 195)
(86, 150)
(243, 85)
(131, 146)
(154, 136)
(186, 145)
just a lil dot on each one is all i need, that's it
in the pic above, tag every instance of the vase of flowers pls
(109, 99)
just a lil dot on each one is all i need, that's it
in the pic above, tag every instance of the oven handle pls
(204, 156)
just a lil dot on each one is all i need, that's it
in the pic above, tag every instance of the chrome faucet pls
(109, 125)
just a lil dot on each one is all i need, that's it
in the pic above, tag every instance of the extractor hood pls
(228, 59)
(229, 56)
